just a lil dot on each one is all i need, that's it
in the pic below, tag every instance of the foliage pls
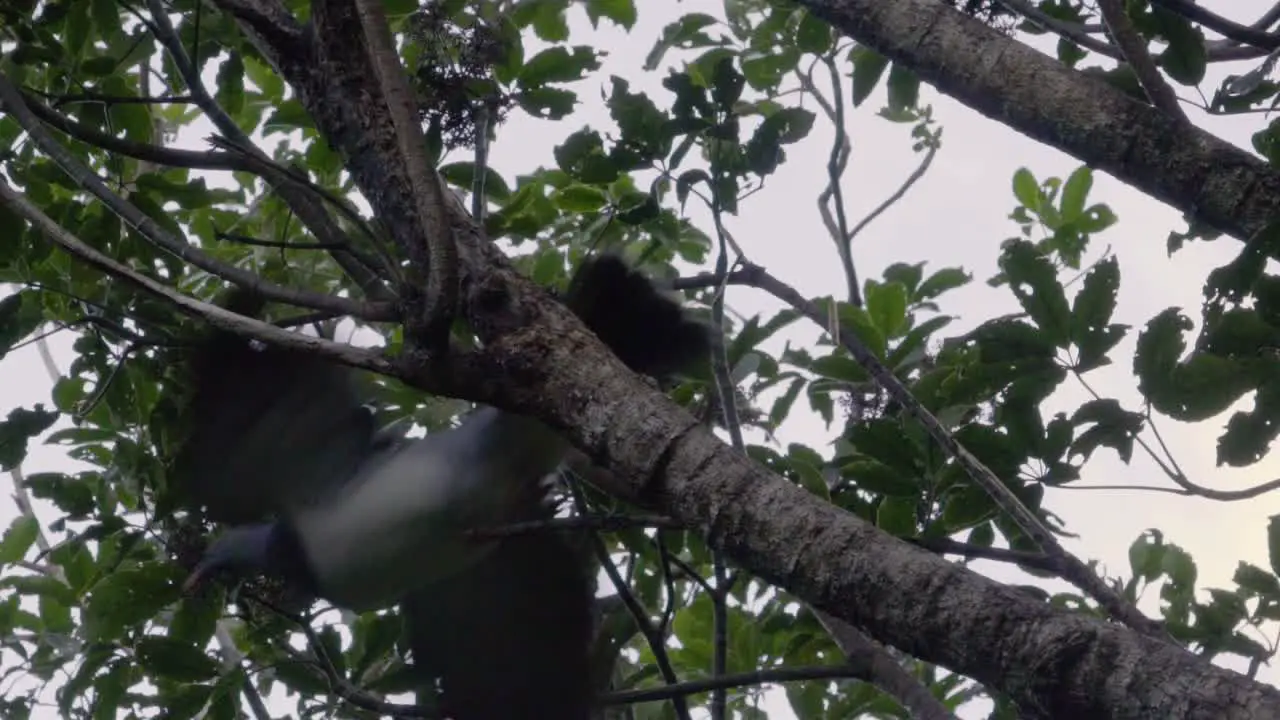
(99, 613)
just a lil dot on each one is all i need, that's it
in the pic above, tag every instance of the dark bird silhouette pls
(282, 447)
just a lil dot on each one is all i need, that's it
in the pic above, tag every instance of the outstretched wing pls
(267, 429)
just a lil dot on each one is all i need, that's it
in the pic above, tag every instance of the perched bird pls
(281, 446)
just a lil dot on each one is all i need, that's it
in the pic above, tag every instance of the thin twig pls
(214, 315)
(438, 254)
(1135, 52)
(150, 229)
(1071, 568)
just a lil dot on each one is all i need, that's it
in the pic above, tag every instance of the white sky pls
(955, 216)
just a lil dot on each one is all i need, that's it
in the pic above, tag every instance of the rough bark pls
(539, 359)
(1202, 175)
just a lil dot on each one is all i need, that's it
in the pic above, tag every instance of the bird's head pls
(242, 551)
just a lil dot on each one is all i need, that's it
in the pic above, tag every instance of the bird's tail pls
(647, 329)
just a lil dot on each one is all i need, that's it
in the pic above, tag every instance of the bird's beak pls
(196, 579)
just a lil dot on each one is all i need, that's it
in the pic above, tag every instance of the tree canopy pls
(350, 173)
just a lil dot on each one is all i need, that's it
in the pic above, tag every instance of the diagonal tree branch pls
(1207, 178)
(437, 257)
(1134, 48)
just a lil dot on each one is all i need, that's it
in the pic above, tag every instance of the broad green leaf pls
(940, 282)
(813, 35)
(1075, 192)
(127, 597)
(174, 659)
(20, 315)
(868, 66)
(887, 307)
(904, 88)
(1035, 283)
(897, 516)
(17, 430)
(18, 539)
(580, 198)
(1026, 189)
(558, 64)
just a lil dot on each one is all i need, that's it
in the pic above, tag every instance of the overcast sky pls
(957, 215)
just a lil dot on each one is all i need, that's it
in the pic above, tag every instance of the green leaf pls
(765, 71)
(884, 439)
(463, 175)
(1186, 58)
(1091, 313)
(622, 12)
(859, 321)
(17, 429)
(876, 477)
(868, 66)
(1179, 567)
(887, 307)
(897, 516)
(813, 35)
(1026, 189)
(810, 476)
(20, 315)
(174, 659)
(1273, 543)
(127, 597)
(1035, 283)
(1257, 581)
(687, 32)
(904, 88)
(966, 507)
(940, 282)
(1075, 192)
(547, 103)
(1113, 427)
(580, 198)
(839, 366)
(558, 65)
(18, 539)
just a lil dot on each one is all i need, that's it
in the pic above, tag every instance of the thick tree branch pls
(1210, 179)
(437, 257)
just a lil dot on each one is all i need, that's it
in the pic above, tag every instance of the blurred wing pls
(268, 429)
(648, 331)
(509, 638)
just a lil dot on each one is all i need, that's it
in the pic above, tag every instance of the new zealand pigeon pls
(282, 447)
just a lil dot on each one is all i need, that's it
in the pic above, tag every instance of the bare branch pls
(1246, 35)
(1135, 52)
(653, 636)
(440, 259)
(874, 664)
